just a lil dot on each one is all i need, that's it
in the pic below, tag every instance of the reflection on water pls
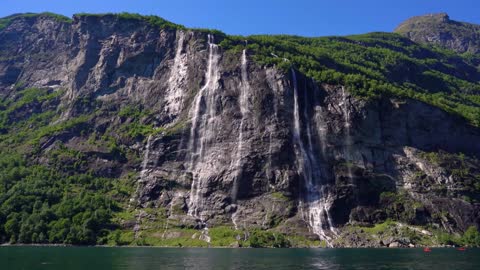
(61, 258)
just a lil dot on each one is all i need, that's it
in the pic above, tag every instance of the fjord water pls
(98, 258)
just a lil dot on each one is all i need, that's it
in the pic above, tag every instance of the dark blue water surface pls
(99, 258)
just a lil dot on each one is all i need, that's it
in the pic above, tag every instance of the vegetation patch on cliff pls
(5, 21)
(375, 64)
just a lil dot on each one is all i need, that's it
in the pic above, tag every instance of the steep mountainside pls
(122, 129)
(438, 29)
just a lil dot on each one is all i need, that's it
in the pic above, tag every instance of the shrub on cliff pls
(471, 237)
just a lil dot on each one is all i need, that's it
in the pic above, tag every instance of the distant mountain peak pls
(433, 18)
(442, 17)
(439, 30)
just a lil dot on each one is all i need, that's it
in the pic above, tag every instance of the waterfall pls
(273, 123)
(243, 104)
(201, 130)
(146, 158)
(178, 73)
(143, 171)
(316, 203)
(268, 169)
(348, 136)
(320, 124)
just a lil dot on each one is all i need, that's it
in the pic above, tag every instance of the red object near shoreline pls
(427, 249)
(461, 249)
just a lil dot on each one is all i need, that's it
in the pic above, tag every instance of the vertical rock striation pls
(231, 142)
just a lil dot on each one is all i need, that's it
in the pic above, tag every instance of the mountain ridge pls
(157, 135)
(440, 30)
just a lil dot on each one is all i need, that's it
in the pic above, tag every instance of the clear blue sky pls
(244, 17)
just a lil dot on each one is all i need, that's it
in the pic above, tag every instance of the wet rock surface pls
(312, 159)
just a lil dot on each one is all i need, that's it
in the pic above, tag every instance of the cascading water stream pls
(144, 169)
(202, 128)
(271, 127)
(320, 124)
(243, 104)
(316, 203)
(178, 73)
(146, 158)
(318, 175)
(348, 136)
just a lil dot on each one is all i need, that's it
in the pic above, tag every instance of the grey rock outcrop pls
(440, 30)
(201, 110)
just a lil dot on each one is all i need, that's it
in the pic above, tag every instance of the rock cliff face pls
(230, 142)
(440, 30)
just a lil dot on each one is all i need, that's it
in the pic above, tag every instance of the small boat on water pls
(427, 249)
(461, 249)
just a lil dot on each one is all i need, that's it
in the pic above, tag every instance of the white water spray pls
(243, 104)
(273, 84)
(146, 157)
(320, 123)
(348, 136)
(178, 73)
(316, 203)
(202, 128)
